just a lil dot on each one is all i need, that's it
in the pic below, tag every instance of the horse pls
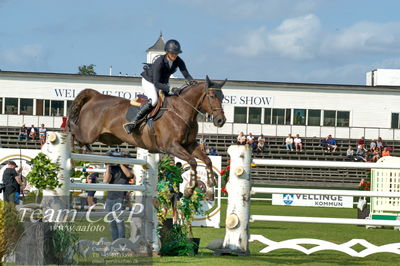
(93, 117)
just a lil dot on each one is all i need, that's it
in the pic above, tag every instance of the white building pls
(271, 108)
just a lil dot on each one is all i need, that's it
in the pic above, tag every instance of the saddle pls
(153, 115)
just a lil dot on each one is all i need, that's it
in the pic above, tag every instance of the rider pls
(156, 77)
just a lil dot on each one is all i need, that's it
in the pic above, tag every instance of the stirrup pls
(129, 127)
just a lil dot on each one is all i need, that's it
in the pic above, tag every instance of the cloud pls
(22, 56)
(234, 10)
(364, 37)
(250, 45)
(294, 38)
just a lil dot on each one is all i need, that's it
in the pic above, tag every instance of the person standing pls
(12, 181)
(91, 179)
(202, 143)
(116, 174)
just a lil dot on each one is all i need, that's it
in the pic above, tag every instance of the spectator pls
(202, 143)
(213, 152)
(331, 144)
(32, 132)
(260, 143)
(251, 141)
(361, 141)
(241, 139)
(324, 144)
(23, 133)
(42, 134)
(12, 181)
(385, 152)
(116, 174)
(297, 143)
(289, 142)
(379, 144)
(91, 179)
(361, 153)
(375, 155)
(372, 146)
(350, 154)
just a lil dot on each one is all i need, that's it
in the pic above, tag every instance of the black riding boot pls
(143, 110)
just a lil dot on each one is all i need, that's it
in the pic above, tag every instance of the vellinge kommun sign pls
(313, 200)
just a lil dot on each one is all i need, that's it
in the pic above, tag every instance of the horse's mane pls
(188, 86)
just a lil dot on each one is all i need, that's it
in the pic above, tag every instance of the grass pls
(279, 231)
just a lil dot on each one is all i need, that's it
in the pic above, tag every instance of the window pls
(26, 107)
(329, 118)
(69, 103)
(314, 117)
(57, 108)
(254, 115)
(267, 116)
(288, 116)
(1, 105)
(47, 107)
(240, 115)
(11, 105)
(39, 107)
(343, 119)
(278, 116)
(299, 116)
(395, 120)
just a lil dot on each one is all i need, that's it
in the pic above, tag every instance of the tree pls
(87, 70)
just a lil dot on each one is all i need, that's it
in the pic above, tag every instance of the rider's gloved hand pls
(191, 82)
(173, 91)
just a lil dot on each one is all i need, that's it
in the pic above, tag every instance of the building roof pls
(158, 46)
(246, 85)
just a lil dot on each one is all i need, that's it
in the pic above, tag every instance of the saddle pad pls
(133, 110)
(131, 114)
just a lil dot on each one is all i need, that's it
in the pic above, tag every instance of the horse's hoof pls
(210, 194)
(188, 192)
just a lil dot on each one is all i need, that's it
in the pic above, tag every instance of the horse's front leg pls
(198, 153)
(177, 150)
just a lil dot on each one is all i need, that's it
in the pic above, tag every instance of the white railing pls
(240, 168)
(58, 149)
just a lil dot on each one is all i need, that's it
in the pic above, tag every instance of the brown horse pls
(97, 117)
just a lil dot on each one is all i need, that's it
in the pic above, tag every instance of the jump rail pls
(239, 214)
(58, 149)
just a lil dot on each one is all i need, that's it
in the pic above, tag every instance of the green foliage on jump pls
(43, 174)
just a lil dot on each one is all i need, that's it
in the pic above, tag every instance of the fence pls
(238, 213)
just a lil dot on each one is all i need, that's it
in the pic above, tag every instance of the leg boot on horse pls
(143, 110)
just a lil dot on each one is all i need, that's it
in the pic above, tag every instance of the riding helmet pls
(173, 46)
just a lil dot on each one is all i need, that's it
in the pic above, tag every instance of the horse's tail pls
(76, 106)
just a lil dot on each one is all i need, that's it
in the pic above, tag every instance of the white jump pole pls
(238, 211)
(147, 175)
(58, 149)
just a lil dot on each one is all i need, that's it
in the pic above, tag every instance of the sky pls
(305, 41)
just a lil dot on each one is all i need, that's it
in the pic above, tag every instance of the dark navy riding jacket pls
(159, 72)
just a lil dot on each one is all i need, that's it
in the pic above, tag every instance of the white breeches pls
(150, 91)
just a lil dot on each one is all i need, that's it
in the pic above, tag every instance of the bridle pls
(201, 99)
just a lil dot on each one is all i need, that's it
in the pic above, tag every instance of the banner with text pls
(313, 200)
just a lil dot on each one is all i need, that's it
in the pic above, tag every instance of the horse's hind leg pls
(198, 153)
(84, 138)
